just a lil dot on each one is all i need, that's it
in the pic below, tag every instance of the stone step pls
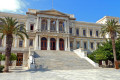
(60, 60)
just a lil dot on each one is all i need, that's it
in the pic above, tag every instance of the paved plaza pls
(87, 74)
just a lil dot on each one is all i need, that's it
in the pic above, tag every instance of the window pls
(97, 33)
(31, 42)
(61, 26)
(71, 45)
(84, 32)
(44, 25)
(0, 42)
(70, 30)
(77, 32)
(53, 26)
(31, 27)
(91, 45)
(90, 32)
(85, 45)
(20, 43)
(78, 45)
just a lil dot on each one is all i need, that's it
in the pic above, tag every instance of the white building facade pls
(54, 30)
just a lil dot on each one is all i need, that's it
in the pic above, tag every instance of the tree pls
(105, 52)
(10, 27)
(111, 28)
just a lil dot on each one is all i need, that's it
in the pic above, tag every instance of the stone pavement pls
(87, 74)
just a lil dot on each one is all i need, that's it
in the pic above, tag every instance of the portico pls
(52, 43)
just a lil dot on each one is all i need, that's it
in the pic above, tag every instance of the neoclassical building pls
(54, 30)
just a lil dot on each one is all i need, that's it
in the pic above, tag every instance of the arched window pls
(44, 25)
(61, 26)
(52, 25)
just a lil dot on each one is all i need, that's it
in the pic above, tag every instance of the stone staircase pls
(60, 60)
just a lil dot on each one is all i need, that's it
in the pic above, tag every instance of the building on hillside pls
(54, 30)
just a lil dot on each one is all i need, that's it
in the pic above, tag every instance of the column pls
(74, 44)
(48, 43)
(81, 43)
(57, 26)
(15, 41)
(95, 44)
(66, 44)
(48, 24)
(27, 25)
(87, 32)
(88, 44)
(57, 44)
(36, 42)
(37, 24)
(39, 42)
(26, 42)
(5, 41)
(65, 28)
(40, 24)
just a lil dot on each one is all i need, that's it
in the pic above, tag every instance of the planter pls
(116, 65)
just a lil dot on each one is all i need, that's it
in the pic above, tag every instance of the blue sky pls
(84, 10)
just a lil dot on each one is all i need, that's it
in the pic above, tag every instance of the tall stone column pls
(88, 44)
(57, 44)
(40, 22)
(48, 43)
(48, 24)
(36, 42)
(57, 26)
(66, 44)
(65, 27)
(5, 41)
(81, 43)
(15, 42)
(95, 44)
(74, 44)
(37, 24)
(27, 24)
(26, 42)
(39, 42)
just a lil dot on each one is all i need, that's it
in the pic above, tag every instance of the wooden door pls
(61, 44)
(19, 61)
(53, 44)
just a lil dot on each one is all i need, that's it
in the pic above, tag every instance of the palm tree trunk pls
(9, 41)
(113, 46)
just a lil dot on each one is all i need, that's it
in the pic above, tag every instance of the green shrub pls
(1, 68)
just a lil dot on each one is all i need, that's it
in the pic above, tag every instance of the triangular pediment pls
(52, 12)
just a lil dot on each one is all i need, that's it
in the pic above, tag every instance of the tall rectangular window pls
(78, 45)
(31, 42)
(90, 32)
(31, 27)
(84, 32)
(77, 32)
(85, 45)
(20, 43)
(97, 33)
(91, 45)
(70, 30)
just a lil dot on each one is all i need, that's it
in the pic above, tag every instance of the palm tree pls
(111, 27)
(9, 27)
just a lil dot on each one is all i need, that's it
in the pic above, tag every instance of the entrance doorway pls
(43, 43)
(52, 44)
(19, 61)
(61, 44)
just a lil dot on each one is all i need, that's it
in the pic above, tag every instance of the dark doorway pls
(61, 44)
(43, 43)
(52, 44)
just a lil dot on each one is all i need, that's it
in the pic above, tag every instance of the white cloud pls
(16, 6)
